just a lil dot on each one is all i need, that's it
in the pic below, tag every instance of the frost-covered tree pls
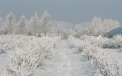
(96, 26)
(9, 25)
(77, 31)
(22, 25)
(65, 30)
(45, 23)
(81, 29)
(99, 27)
(110, 24)
(34, 24)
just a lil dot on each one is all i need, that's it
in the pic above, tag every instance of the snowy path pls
(67, 61)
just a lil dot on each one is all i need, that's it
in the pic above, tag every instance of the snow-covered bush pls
(76, 43)
(105, 62)
(27, 54)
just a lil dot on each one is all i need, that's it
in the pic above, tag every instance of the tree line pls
(46, 26)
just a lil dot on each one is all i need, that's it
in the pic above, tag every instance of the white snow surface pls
(3, 60)
(66, 61)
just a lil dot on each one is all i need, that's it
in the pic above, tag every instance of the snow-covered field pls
(51, 56)
(39, 45)
(67, 62)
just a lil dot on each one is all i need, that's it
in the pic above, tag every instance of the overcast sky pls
(74, 11)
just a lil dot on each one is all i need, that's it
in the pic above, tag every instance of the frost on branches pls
(9, 26)
(21, 29)
(96, 27)
(45, 23)
(27, 54)
(106, 62)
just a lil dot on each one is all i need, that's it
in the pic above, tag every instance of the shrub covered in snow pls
(27, 54)
(105, 62)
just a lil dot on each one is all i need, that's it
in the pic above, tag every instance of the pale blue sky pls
(74, 11)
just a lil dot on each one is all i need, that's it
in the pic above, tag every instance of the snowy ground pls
(66, 61)
(64, 58)
(3, 60)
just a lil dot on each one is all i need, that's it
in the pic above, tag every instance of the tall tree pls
(10, 22)
(22, 25)
(96, 26)
(45, 23)
(34, 22)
